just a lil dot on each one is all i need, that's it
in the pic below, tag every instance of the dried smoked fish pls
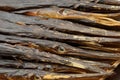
(59, 25)
(42, 66)
(27, 53)
(74, 28)
(47, 12)
(57, 47)
(16, 74)
(32, 54)
(38, 32)
(50, 67)
(63, 13)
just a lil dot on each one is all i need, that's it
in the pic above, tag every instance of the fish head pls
(64, 49)
(48, 13)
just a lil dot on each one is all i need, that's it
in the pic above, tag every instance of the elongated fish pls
(58, 48)
(58, 25)
(62, 13)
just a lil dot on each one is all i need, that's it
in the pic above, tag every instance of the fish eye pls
(61, 11)
(61, 49)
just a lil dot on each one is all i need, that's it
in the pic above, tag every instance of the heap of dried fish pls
(38, 32)
(59, 40)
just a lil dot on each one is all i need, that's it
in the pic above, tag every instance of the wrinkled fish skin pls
(63, 13)
(42, 66)
(26, 53)
(41, 33)
(58, 48)
(44, 47)
(26, 74)
(59, 25)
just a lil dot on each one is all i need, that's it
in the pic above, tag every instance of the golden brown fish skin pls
(62, 13)
(95, 64)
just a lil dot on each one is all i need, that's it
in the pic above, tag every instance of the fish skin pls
(44, 75)
(58, 25)
(30, 54)
(52, 46)
(64, 13)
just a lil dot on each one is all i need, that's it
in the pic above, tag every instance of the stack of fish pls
(59, 39)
